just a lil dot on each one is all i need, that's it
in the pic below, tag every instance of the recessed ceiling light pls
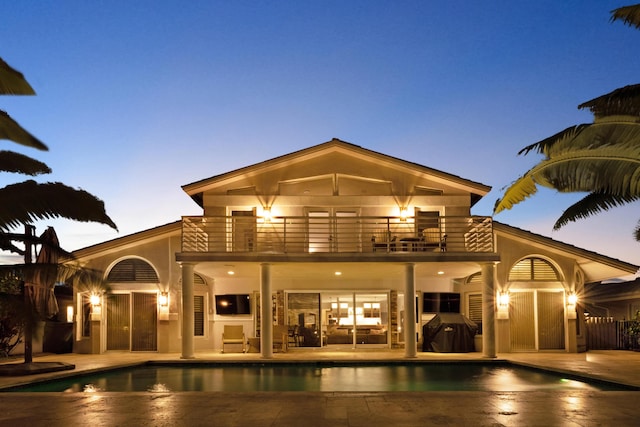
(338, 273)
(441, 272)
(231, 272)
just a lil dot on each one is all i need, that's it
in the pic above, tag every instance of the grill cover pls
(449, 333)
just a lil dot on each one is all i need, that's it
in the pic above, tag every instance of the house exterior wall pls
(335, 177)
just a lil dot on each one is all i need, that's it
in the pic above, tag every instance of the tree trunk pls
(28, 325)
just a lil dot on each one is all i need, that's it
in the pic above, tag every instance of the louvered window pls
(133, 270)
(534, 269)
(198, 315)
(475, 310)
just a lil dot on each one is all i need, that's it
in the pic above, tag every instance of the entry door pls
(333, 231)
(144, 323)
(118, 322)
(536, 320)
(132, 322)
(244, 231)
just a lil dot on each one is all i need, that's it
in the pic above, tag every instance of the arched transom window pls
(534, 269)
(133, 270)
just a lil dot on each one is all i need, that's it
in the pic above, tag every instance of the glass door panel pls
(319, 231)
(338, 318)
(303, 313)
(372, 319)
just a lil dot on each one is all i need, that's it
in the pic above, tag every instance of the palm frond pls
(19, 163)
(11, 130)
(24, 202)
(601, 157)
(543, 146)
(636, 232)
(12, 82)
(624, 101)
(590, 205)
(517, 192)
(630, 15)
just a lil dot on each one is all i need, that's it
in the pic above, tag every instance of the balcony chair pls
(233, 334)
(383, 242)
(432, 238)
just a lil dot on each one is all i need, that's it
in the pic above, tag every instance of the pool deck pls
(309, 409)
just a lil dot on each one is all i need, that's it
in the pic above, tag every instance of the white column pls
(266, 313)
(410, 341)
(488, 311)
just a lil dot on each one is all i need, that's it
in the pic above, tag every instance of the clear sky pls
(137, 98)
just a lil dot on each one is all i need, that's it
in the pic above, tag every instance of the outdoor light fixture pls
(94, 299)
(503, 299)
(69, 314)
(163, 299)
(266, 214)
(503, 305)
(572, 301)
(403, 214)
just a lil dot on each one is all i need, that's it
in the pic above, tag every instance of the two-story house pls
(343, 247)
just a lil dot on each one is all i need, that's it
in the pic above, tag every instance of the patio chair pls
(281, 337)
(233, 334)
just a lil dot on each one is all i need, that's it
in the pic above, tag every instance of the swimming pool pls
(319, 377)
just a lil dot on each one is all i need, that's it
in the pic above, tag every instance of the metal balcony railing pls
(305, 234)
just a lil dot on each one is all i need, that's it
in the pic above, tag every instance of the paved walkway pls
(540, 408)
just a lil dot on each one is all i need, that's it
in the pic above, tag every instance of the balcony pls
(336, 234)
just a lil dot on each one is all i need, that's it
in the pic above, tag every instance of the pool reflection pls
(308, 377)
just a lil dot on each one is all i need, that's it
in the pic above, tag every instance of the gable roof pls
(196, 189)
(596, 266)
(155, 233)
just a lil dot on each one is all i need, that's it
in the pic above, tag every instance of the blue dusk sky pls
(137, 98)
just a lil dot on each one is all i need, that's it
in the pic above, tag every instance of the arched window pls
(475, 278)
(534, 269)
(132, 270)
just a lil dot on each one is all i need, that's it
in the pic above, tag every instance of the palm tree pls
(24, 202)
(600, 158)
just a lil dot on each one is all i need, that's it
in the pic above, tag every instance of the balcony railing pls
(354, 234)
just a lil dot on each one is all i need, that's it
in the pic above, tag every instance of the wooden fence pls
(604, 333)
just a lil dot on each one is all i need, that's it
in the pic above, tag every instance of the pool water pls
(301, 377)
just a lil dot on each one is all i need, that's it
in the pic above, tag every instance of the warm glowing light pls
(572, 299)
(440, 272)
(334, 305)
(163, 299)
(231, 272)
(503, 299)
(94, 299)
(403, 214)
(69, 314)
(266, 214)
(338, 273)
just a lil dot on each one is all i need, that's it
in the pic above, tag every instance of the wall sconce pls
(572, 301)
(163, 299)
(96, 308)
(94, 299)
(403, 214)
(503, 305)
(69, 314)
(266, 214)
(503, 299)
